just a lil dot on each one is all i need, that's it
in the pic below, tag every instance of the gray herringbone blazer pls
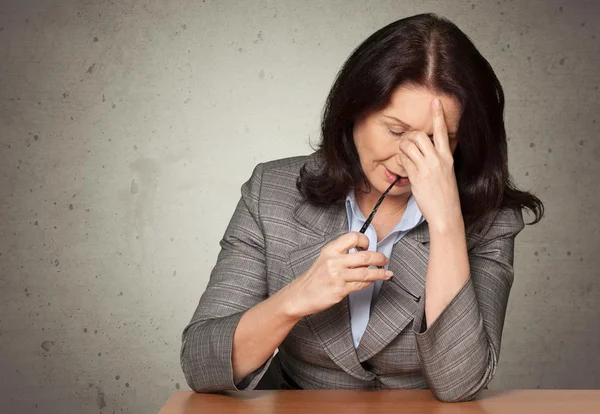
(275, 235)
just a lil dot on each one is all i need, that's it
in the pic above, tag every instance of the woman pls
(416, 109)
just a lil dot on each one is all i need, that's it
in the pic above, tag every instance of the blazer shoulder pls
(275, 180)
(502, 222)
(284, 172)
(268, 170)
(286, 166)
(508, 217)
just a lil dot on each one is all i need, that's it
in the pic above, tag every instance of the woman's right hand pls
(335, 274)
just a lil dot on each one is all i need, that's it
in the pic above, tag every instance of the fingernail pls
(389, 273)
(436, 102)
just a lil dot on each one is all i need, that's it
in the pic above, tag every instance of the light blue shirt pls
(361, 301)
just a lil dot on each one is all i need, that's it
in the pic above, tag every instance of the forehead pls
(412, 105)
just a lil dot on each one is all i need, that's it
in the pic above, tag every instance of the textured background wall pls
(127, 128)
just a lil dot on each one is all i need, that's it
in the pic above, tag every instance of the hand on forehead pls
(411, 107)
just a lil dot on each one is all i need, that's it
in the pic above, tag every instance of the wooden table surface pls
(384, 402)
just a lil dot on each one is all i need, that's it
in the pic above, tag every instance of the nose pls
(401, 170)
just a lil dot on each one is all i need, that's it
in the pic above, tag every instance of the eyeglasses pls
(368, 222)
(370, 218)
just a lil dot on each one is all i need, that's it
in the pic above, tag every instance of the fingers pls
(404, 160)
(364, 259)
(364, 274)
(410, 148)
(424, 143)
(354, 286)
(416, 148)
(440, 130)
(349, 241)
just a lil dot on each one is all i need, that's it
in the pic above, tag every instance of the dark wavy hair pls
(430, 52)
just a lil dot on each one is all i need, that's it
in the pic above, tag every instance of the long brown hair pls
(432, 52)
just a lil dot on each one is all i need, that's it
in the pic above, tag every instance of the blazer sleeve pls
(237, 283)
(459, 352)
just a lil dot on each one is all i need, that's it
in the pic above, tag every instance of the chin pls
(396, 191)
(382, 185)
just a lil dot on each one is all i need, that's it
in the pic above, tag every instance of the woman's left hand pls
(430, 170)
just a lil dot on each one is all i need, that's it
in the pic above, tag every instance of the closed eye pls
(398, 134)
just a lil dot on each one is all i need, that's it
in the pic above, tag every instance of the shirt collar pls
(412, 215)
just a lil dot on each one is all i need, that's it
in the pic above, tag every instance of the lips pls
(391, 177)
(393, 174)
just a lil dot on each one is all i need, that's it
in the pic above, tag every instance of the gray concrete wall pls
(127, 128)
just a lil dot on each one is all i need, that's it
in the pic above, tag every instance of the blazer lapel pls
(330, 326)
(398, 299)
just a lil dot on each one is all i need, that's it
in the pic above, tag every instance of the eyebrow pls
(408, 126)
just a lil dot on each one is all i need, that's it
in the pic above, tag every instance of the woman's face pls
(377, 146)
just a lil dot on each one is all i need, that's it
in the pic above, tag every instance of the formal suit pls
(275, 235)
